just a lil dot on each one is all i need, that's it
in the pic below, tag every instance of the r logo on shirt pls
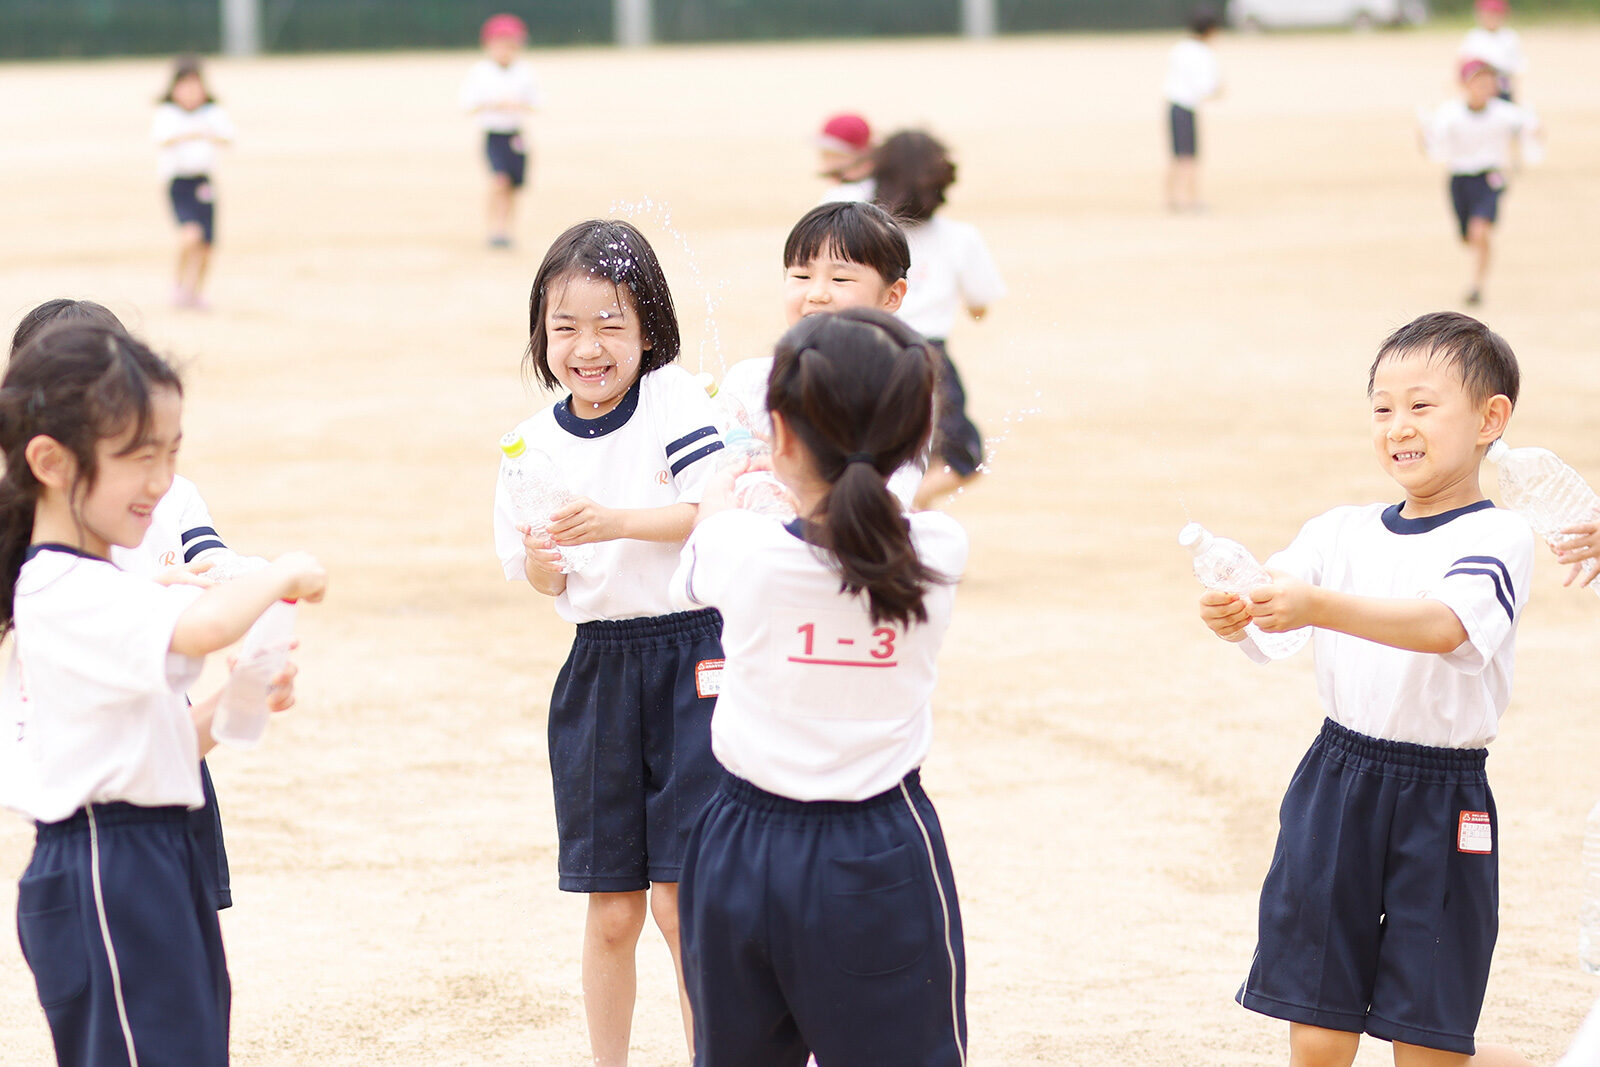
(663, 478)
(169, 559)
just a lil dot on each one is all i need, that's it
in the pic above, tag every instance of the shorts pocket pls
(878, 918)
(50, 927)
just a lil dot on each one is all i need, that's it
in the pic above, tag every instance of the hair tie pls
(860, 457)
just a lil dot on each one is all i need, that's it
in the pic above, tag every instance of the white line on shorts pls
(944, 907)
(105, 935)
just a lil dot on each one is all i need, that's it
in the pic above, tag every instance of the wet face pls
(594, 342)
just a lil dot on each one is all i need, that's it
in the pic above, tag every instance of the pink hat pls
(1493, 5)
(848, 132)
(504, 26)
(1473, 67)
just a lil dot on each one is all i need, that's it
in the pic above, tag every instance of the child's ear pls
(895, 295)
(1496, 416)
(52, 463)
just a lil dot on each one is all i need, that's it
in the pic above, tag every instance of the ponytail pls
(76, 383)
(857, 389)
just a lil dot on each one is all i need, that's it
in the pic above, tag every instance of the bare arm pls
(223, 613)
(1414, 624)
(583, 521)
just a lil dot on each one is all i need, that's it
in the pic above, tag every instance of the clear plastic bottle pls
(755, 490)
(534, 485)
(242, 712)
(1537, 485)
(731, 412)
(1589, 908)
(1228, 567)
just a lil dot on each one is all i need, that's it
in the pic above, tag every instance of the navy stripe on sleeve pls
(198, 547)
(1501, 592)
(690, 438)
(1505, 572)
(696, 456)
(200, 531)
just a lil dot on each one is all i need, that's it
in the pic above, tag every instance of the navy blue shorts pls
(192, 201)
(120, 929)
(956, 439)
(206, 825)
(630, 748)
(509, 156)
(1381, 908)
(1475, 196)
(824, 927)
(1185, 137)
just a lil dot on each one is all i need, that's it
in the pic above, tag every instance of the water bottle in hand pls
(755, 490)
(731, 412)
(1537, 485)
(534, 485)
(242, 713)
(1228, 567)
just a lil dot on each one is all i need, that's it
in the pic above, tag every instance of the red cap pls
(848, 132)
(1475, 66)
(504, 26)
(1493, 5)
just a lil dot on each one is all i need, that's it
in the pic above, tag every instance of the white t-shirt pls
(951, 269)
(851, 192)
(195, 155)
(93, 699)
(1501, 49)
(1193, 74)
(746, 383)
(488, 83)
(654, 449)
(181, 531)
(817, 701)
(1471, 142)
(1476, 560)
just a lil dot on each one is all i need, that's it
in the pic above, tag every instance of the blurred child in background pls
(499, 92)
(1479, 137)
(951, 271)
(1193, 77)
(844, 157)
(188, 129)
(1496, 44)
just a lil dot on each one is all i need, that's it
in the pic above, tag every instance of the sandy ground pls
(1108, 773)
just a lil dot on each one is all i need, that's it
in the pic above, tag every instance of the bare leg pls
(199, 264)
(1488, 1056)
(191, 244)
(500, 195)
(1315, 1046)
(1183, 184)
(664, 908)
(610, 938)
(1478, 240)
(938, 483)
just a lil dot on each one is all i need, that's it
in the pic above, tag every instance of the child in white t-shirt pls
(844, 157)
(1496, 44)
(1193, 77)
(500, 91)
(188, 128)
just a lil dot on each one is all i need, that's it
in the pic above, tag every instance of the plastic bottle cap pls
(706, 382)
(512, 445)
(736, 435)
(1497, 451)
(1190, 534)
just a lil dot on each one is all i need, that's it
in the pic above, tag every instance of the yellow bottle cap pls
(706, 382)
(512, 445)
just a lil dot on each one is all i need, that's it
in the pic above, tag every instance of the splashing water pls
(659, 216)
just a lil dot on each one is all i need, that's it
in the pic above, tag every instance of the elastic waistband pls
(650, 630)
(191, 178)
(115, 813)
(753, 796)
(1474, 174)
(1402, 755)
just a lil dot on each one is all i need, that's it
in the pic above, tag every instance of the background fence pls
(59, 28)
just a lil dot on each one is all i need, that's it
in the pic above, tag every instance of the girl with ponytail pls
(818, 910)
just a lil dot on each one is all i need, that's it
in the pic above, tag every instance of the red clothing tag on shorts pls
(708, 677)
(1474, 833)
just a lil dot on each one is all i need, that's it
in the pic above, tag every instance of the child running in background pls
(842, 254)
(188, 129)
(114, 911)
(819, 909)
(951, 270)
(1193, 77)
(1380, 911)
(181, 535)
(630, 715)
(1479, 138)
(844, 157)
(1493, 42)
(499, 93)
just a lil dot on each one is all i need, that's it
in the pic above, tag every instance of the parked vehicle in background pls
(1305, 14)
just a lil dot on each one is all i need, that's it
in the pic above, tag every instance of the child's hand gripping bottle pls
(1537, 485)
(757, 489)
(1228, 567)
(242, 712)
(534, 485)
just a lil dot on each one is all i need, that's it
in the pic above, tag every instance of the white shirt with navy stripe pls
(93, 703)
(181, 531)
(1476, 560)
(817, 702)
(652, 450)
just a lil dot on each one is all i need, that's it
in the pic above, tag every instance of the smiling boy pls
(1380, 910)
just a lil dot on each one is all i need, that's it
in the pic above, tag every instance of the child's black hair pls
(856, 388)
(857, 232)
(61, 309)
(183, 67)
(616, 251)
(1203, 20)
(1481, 357)
(77, 383)
(911, 171)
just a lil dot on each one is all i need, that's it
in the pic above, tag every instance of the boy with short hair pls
(1380, 910)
